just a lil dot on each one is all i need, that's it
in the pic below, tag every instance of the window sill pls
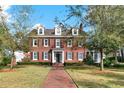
(69, 59)
(69, 46)
(45, 59)
(35, 59)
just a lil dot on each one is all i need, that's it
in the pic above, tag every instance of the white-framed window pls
(69, 43)
(57, 43)
(58, 31)
(69, 55)
(75, 31)
(41, 31)
(80, 44)
(80, 56)
(46, 43)
(35, 55)
(45, 55)
(35, 42)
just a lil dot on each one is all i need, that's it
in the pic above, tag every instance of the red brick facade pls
(52, 50)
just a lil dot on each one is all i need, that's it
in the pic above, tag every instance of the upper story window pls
(80, 44)
(40, 31)
(57, 43)
(46, 42)
(69, 43)
(35, 42)
(58, 31)
(75, 31)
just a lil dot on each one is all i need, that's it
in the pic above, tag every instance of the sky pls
(46, 14)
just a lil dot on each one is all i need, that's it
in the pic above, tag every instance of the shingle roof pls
(51, 32)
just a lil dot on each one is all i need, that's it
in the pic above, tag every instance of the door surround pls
(53, 55)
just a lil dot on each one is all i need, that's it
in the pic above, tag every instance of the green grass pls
(90, 77)
(24, 76)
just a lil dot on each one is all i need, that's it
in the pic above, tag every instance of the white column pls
(62, 56)
(53, 56)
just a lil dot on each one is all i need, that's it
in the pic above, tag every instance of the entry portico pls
(58, 55)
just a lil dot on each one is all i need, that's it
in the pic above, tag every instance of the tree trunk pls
(101, 62)
(116, 59)
(122, 54)
(12, 60)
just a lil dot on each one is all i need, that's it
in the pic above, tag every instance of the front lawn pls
(24, 76)
(90, 77)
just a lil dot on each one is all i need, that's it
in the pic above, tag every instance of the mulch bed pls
(7, 70)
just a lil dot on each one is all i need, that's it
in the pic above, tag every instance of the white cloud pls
(36, 26)
(5, 7)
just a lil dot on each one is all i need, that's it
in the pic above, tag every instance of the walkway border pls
(71, 78)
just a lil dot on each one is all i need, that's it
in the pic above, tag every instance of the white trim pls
(47, 43)
(68, 43)
(34, 42)
(53, 55)
(36, 54)
(68, 55)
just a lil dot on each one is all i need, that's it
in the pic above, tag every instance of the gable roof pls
(51, 32)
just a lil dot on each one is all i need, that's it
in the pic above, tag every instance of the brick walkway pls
(58, 78)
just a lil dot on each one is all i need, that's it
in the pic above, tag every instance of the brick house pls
(56, 45)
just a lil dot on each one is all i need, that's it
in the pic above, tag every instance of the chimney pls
(81, 28)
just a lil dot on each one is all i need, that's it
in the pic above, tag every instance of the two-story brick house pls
(55, 45)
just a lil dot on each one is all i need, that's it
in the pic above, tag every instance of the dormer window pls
(57, 31)
(41, 31)
(75, 31)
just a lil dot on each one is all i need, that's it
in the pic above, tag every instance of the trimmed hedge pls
(34, 63)
(73, 64)
(119, 65)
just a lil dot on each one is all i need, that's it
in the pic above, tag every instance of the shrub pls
(119, 65)
(110, 61)
(73, 64)
(89, 60)
(34, 63)
(120, 59)
(26, 59)
(6, 60)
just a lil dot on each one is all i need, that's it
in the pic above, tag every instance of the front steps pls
(58, 66)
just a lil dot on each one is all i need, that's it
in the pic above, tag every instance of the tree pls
(20, 27)
(105, 24)
(3, 31)
(15, 35)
